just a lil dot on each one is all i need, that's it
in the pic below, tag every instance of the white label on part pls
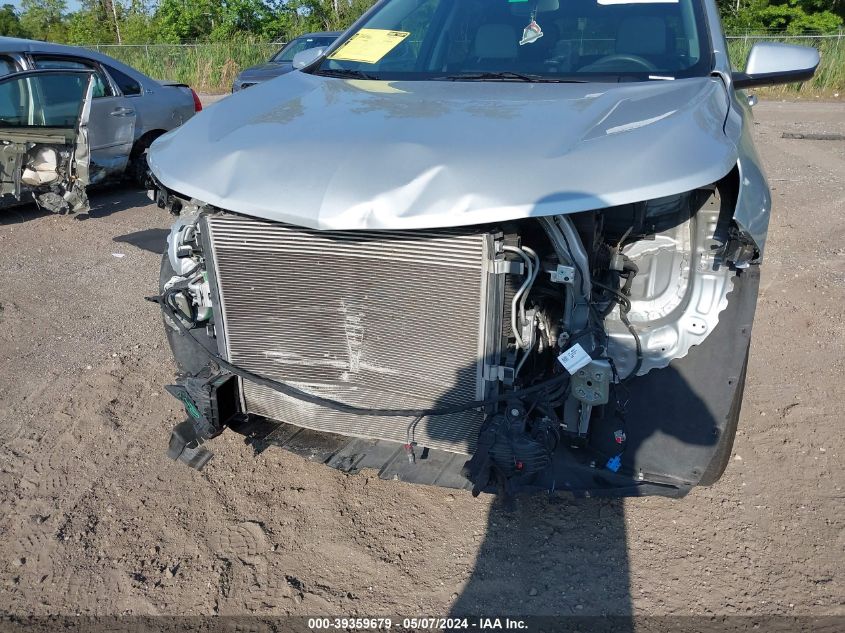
(574, 358)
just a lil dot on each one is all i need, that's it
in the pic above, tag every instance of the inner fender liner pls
(682, 419)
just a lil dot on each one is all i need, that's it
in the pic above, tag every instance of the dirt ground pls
(94, 518)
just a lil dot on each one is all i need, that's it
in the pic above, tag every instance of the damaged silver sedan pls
(492, 245)
(44, 138)
(125, 112)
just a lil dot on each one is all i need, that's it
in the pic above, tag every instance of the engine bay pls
(523, 351)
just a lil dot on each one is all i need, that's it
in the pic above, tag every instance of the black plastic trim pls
(742, 80)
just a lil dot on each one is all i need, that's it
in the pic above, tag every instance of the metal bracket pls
(507, 267)
(563, 274)
(584, 420)
(499, 373)
(591, 384)
(529, 329)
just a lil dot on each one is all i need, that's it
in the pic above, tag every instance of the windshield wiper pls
(507, 76)
(344, 73)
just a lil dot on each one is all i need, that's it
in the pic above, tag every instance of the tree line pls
(179, 21)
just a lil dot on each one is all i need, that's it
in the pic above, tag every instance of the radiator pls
(386, 319)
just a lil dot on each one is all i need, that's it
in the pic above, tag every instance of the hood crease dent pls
(331, 154)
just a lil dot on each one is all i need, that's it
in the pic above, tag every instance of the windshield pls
(526, 40)
(300, 44)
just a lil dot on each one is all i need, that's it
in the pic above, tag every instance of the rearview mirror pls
(307, 57)
(771, 63)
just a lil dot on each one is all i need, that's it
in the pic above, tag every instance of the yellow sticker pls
(369, 45)
(382, 87)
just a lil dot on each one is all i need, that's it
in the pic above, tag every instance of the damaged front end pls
(44, 151)
(601, 352)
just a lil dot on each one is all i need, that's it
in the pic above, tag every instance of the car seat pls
(495, 47)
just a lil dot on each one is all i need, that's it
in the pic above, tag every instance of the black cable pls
(167, 298)
(411, 430)
(341, 407)
(623, 316)
(624, 309)
(624, 302)
(629, 271)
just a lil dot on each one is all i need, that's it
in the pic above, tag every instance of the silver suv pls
(491, 245)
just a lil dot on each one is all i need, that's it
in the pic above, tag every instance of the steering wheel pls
(621, 57)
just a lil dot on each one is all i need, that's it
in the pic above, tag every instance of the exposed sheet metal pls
(331, 154)
(681, 288)
(384, 320)
(82, 151)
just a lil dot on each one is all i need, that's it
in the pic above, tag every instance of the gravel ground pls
(95, 519)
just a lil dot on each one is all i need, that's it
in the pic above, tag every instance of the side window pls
(7, 66)
(298, 46)
(101, 86)
(42, 100)
(127, 85)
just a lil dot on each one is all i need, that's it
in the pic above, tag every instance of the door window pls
(7, 66)
(42, 100)
(101, 86)
(128, 86)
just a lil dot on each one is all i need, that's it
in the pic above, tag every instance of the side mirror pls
(307, 57)
(771, 63)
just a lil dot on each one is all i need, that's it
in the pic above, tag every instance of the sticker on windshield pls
(369, 45)
(607, 2)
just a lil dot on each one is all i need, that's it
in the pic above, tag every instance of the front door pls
(43, 137)
(111, 126)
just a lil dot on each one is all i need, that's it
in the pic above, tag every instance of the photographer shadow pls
(566, 554)
(563, 552)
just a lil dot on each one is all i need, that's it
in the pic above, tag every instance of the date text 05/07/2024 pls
(416, 624)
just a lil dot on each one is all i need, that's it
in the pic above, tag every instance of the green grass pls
(212, 67)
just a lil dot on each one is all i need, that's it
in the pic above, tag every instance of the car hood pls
(265, 71)
(328, 153)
